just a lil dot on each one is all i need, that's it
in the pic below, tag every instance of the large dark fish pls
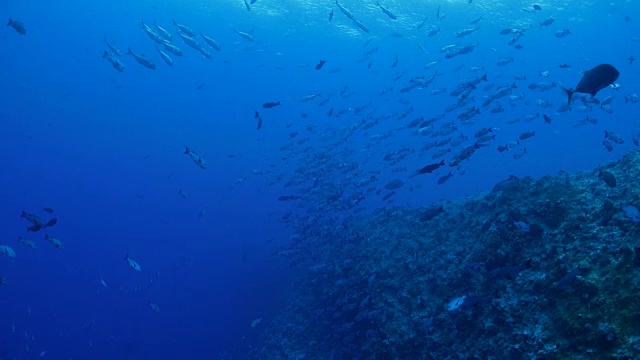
(257, 116)
(430, 168)
(36, 222)
(431, 213)
(595, 80)
(17, 26)
(269, 105)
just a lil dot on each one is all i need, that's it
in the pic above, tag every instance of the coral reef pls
(535, 269)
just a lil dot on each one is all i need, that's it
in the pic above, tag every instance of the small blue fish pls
(567, 279)
(524, 227)
(632, 213)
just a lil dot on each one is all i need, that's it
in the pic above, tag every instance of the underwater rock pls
(565, 288)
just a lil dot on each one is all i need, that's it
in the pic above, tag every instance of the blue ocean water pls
(105, 150)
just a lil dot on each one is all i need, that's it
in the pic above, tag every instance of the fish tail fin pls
(23, 214)
(11, 21)
(441, 162)
(569, 94)
(484, 77)
(106, 54)
(187, 150)
(129, 51)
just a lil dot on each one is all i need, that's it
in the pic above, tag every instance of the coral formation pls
(535, 269)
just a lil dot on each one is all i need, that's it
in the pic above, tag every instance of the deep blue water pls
(104, 149)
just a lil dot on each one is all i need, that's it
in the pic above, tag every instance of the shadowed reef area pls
(535, 269)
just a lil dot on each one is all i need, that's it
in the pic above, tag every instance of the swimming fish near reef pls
(595, 80)
(431, 213)
(386, 11)
(172, 48)
(259, 118)
(142, 60)
(255, 322)
(508, 272)
(132, 263)
(430, 168)
(213, 43)
(269, 105)
(444, 178)
(167, 59)
(196, 158)
(244, 35)
(112, 47)
(36, 222)
(27, 242)
(56, 243)
(154, 306)
(17, 26)
(163, 32)
(117, 64)
(7, 251)
(632, 213)
(185, 29)
(608, 178)
(183, 194)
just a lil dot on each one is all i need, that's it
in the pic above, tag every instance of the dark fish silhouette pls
(508, 272)
(36, 222)
(270, 105)
(430, 168)
(17, 26)
(595, 80)
(431, 213)
(257, 116)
